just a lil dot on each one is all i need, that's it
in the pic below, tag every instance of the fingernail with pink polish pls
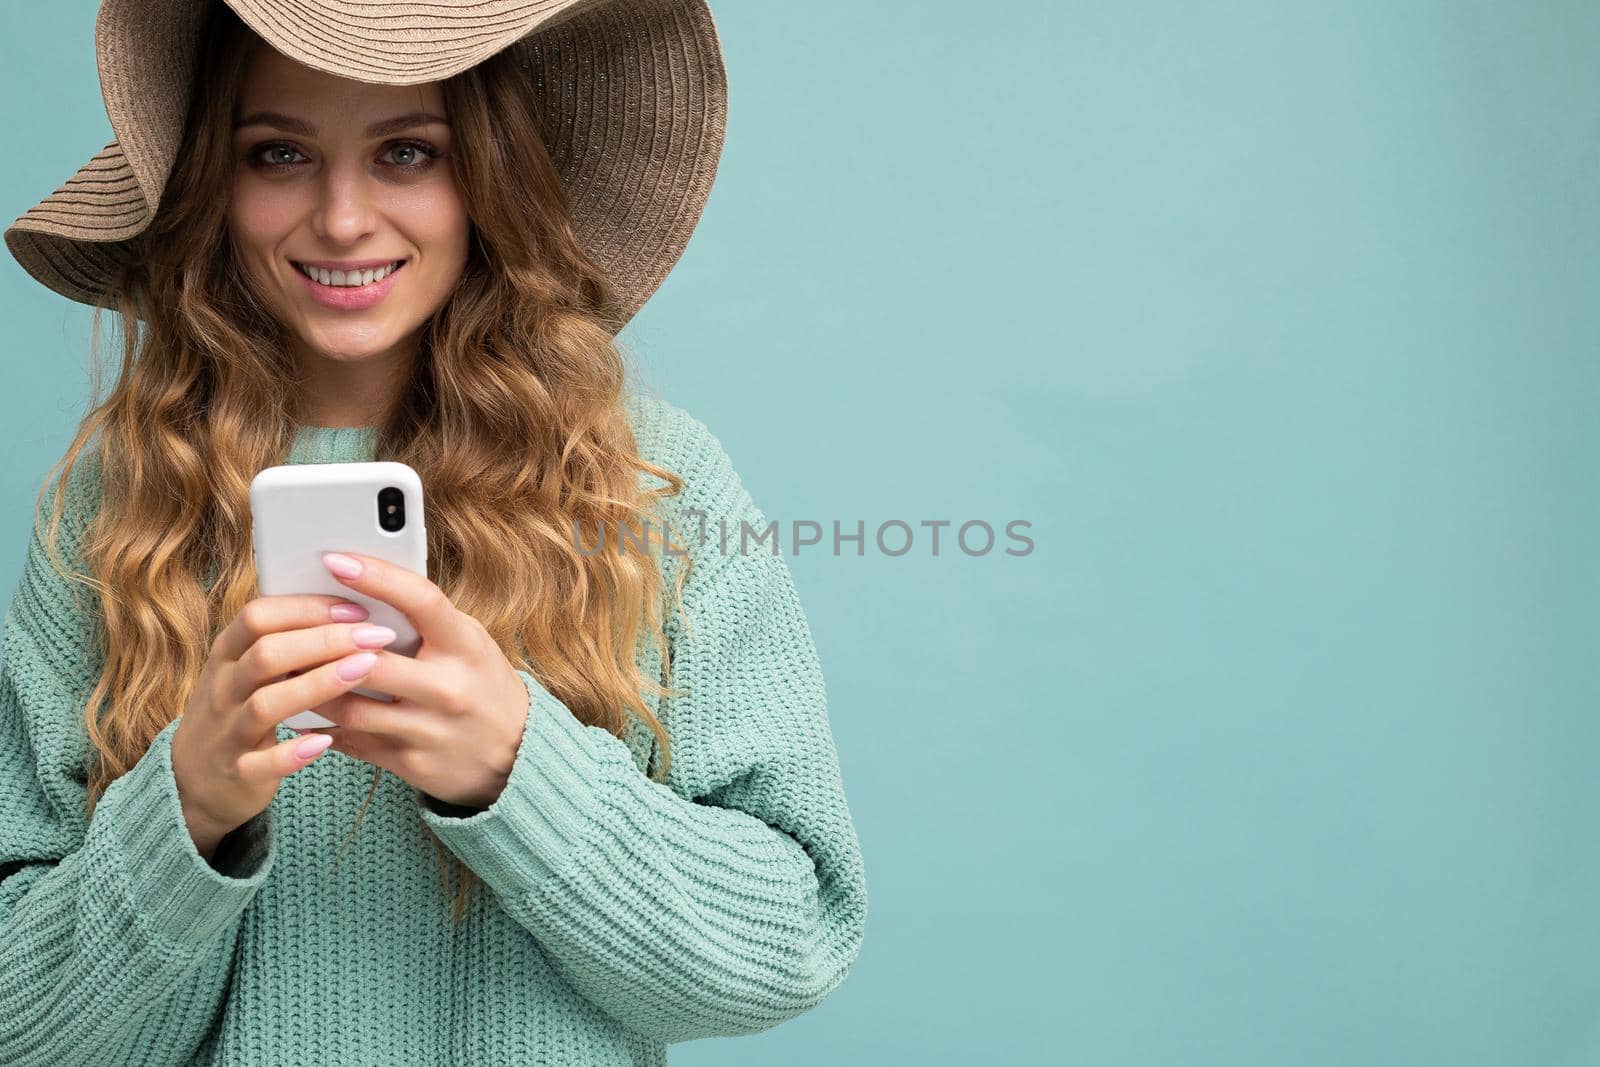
(372, 636)
(352, 667)
(348, 613)
(342, 565)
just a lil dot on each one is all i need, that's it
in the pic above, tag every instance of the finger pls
(435, 619)
(263, 710)
(279, 761)
(290, 652)
(402, 723)
(427, 683)
(375, 749)
(271, 614)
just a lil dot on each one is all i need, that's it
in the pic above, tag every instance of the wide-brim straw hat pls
(632, 95)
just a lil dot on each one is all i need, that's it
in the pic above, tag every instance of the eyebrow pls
(290, 124)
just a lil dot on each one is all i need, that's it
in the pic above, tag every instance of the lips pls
(350, 297)
(325, 275)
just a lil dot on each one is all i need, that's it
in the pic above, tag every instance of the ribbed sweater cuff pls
(177, 894)
(543, 813)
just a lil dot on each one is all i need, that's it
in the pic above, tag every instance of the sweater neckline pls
(333, 444)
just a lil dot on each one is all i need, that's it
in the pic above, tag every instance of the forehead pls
(273, 79)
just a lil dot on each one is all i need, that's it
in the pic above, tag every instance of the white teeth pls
(351, 279)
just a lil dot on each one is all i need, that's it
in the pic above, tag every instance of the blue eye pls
(421, 157)
(259, 152)
(423, 154)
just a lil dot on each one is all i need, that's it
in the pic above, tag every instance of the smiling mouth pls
(355, 279)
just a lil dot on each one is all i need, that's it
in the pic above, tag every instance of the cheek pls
(259, 217)
(439, 225)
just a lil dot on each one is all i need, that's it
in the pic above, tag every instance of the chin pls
(349, 350)
(348, 356)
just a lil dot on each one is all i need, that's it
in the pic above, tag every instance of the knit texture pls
(620, 915)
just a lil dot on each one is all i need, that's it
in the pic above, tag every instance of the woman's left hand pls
(455, 730)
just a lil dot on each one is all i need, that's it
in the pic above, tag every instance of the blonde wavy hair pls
(518, 371)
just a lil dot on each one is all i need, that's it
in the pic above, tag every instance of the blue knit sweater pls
(621, 914)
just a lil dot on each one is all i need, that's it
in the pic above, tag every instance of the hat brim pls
(633, 98)
(76, 239)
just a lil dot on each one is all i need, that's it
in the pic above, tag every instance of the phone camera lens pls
(391, 509)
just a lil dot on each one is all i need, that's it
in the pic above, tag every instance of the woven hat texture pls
(632, 95)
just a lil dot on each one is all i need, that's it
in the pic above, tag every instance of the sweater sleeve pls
(116, 936)
(732, 898)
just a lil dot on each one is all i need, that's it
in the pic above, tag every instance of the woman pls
(629, 748)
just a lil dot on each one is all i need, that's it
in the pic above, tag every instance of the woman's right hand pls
(280, 655)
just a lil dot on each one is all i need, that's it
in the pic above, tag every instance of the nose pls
(345, 212)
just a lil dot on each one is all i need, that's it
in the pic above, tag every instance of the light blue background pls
(1279, 324)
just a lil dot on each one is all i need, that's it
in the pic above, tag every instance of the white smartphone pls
(301, 510)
